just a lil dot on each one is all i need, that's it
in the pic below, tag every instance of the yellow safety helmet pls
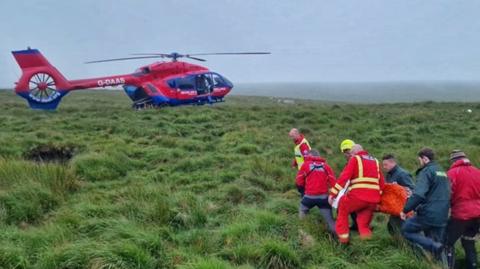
(346, 144)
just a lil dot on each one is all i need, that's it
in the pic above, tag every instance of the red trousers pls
(347, 205)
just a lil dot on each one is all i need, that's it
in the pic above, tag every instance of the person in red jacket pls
(301, 147)
(465, 208)
(364, 181)
(314, 179)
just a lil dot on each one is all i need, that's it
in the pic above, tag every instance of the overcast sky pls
(322, 40)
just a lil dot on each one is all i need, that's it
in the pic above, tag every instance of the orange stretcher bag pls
(393, 199)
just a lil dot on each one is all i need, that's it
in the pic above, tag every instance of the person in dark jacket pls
(465, 213)
(398, 175)
(395, 173)
(314, 179)
(431, 201)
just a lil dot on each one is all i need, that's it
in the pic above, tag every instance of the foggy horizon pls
(310, 41)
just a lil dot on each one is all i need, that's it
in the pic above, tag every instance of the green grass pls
(197, 187)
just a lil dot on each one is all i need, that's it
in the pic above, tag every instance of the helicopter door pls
(185, 87)
(204, 84)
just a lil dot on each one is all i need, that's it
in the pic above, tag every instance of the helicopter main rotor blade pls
(196, 58)
(152, 54)
(229, 53)
(203, 54)
(124, 59)
(175, 56)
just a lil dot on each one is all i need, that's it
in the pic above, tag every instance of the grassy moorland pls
(195, 187)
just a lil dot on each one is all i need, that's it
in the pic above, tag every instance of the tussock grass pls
(278, 255)
(198, 187)
(29, 190)
(208, 263)
(102, 166)
(121, 254)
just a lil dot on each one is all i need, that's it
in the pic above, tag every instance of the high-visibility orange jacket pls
(364, 176)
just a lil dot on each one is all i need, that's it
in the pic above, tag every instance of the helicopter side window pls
(185, 84)
(172, 84)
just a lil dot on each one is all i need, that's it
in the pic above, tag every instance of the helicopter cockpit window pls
(220, 82)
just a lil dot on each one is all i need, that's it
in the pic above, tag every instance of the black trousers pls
(354, 226)
(394, 225)
(467, 229)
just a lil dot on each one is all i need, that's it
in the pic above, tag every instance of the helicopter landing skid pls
(143, 104)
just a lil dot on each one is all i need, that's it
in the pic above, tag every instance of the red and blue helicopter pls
(170, 83)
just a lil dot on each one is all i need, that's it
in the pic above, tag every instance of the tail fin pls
(41, 83)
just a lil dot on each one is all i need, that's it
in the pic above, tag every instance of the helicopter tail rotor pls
(41, 84)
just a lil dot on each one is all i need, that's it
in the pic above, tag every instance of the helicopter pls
(165, 83)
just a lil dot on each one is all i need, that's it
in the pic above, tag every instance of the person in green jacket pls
(431, 202)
